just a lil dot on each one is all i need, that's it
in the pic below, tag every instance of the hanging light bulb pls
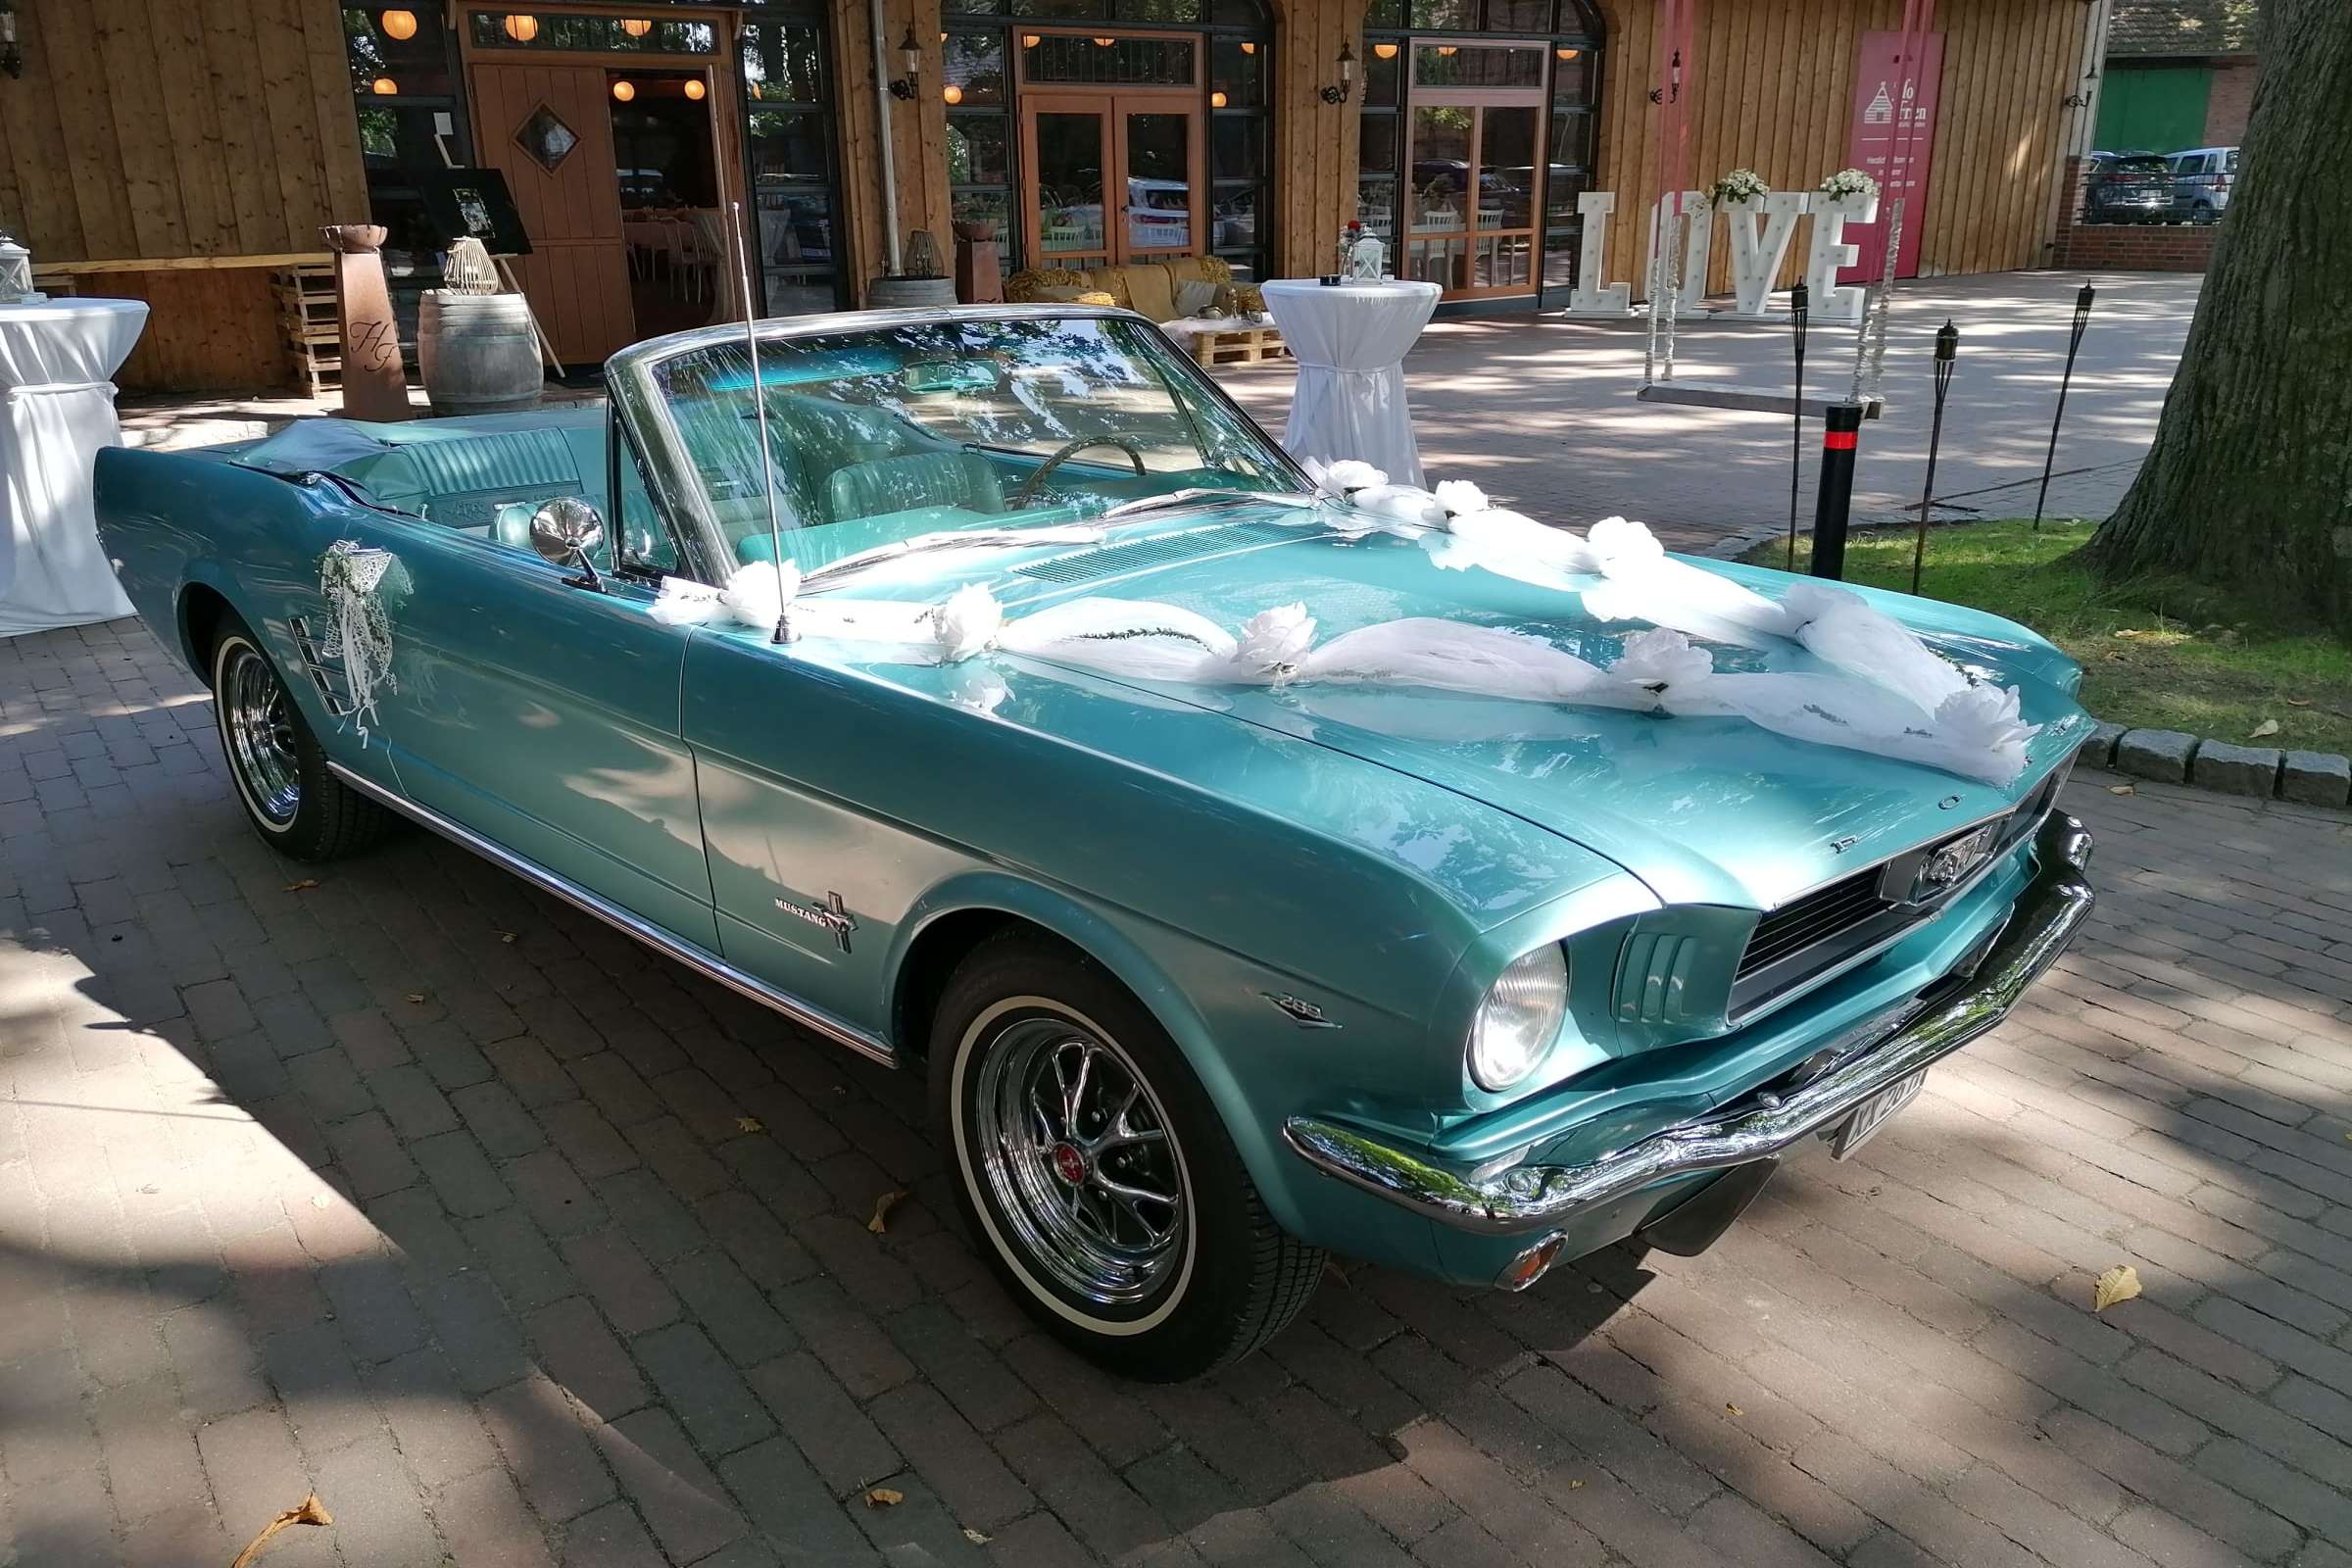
(951, 93)
(1030, 40)
(521, 27)
(624, 90)
(1565, 54)
(399, 24)
(1105, 43)
(1216, 100)
(1448, 49)
(695, 90)
(636, 27)
(1248, 48)
(383, 86)
(1386, 51)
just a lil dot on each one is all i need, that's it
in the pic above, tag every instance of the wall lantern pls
(696, 90)
(623, 91)
(951, 93)
(1338, 94)
(15, 275)
(636, 27)
(1386, 51)
(1216, 100)
(910, 56)
(1565, 54)
(521, 27)
(383, 86)
(1030, 40)
(399, 25)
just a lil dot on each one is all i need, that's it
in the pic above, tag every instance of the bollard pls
(1834, 502)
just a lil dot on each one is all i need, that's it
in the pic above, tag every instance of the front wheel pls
(1096, 1174)
(297, 807)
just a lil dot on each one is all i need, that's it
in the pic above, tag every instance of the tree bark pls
(2250, 482)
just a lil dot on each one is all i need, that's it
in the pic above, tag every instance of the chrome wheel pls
(1079, 1160)
(258, 722)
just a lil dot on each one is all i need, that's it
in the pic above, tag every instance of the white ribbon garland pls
(351, 578)
(1891, 696)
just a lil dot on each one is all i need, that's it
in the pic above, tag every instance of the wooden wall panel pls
(167, 128)
(918, 136)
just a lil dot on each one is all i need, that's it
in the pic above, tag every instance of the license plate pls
(1874, 1113)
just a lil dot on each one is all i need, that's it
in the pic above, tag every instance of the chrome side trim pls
(707, 965)
(1526, 1197)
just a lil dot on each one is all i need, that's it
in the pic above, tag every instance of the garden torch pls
(1947, 348)
(2073, 344)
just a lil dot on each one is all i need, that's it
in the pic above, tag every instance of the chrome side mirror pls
(566, 532)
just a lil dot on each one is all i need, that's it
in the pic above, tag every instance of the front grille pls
(1092, 565)
(1811, 935)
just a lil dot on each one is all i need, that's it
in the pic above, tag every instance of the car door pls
(543, 716)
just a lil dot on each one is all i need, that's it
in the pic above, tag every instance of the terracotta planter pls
(979, 276)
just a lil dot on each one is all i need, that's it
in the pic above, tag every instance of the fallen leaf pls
(882, 1207)
(749, 1124)
(2119, 1284)
(506, 936)
(975, 1536)
(2121, 789)
(2267, 728)
(1734, 1409)
(310, 1511)
(303, 886)
(2298, 702)
(1576, 1486)
(416, 997)
(884, 1498)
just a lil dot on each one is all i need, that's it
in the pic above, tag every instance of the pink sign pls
(1892, 140)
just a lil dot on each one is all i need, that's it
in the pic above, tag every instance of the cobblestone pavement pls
(1540, 411)
(523, 1246)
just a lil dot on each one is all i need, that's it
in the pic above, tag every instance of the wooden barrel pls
(476, 352)
(909, 293)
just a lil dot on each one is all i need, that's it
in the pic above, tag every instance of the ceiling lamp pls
(695, 90)
(383, 86)
(1386, 51)
(624, 90)
(521, 27)
(1105, 43)
(636, 27)
(1030, 40)
(399, 24)
(951, 93)
(1216, 100)
(1565, 54)
(1248, 48)
(1449, 49)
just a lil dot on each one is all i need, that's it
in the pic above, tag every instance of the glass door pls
(1159, 154)
(1474, 184)
(1066, 150)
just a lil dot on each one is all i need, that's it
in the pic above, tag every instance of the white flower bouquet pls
(1848, 183)
(1740, 186)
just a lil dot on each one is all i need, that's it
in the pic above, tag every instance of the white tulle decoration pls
(683, 601)
(1459, 497)
(1450, 655)
(1273, 642)
(1400, 502)
(1133, 638)
(1841, 630)
(359, 630)
(757, 595)
(968, 622)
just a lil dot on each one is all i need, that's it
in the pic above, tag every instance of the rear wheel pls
(280, 773)
(1096, 1174)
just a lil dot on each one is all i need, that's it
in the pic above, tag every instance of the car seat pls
(913, 480)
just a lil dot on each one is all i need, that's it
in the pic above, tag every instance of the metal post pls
(1834, 503)
(1799, 300)
(1947, 349)
(2073, 344)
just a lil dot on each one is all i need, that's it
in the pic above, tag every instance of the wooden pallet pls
(1246, 344)
(309, 320)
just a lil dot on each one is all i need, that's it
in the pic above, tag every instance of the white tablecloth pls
(54, 363)
(1349, 341)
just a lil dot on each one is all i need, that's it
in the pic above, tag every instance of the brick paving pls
(537, 1249)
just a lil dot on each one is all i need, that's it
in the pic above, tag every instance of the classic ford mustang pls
(1556, 895)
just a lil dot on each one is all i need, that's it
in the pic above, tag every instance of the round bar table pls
(1350, 340)
(55, 361)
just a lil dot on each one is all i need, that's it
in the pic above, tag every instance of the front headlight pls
(1518, 1019)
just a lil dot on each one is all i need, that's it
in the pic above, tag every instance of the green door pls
(2153, 111)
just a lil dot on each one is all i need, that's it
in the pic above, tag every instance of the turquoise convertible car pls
(1213, 966)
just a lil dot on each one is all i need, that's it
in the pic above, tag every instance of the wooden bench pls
(1242, 345)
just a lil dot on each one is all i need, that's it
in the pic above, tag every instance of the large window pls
(1473, 147)
(787, 142)
(403, 79)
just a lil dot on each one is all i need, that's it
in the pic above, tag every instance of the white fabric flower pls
(1661, 661)
(683, 601)
(1349, 475)
(967, 623)
(1401, 503)
(756, 595)
(1460, 496)
(1621, 545)
(1273, 641)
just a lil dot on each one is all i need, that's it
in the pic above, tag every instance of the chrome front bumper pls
(1531, 1198)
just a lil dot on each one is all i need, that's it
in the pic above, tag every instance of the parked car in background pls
(2128, 188)
(2201, 181)
(1211, 965)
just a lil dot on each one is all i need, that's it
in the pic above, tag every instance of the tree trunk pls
(2249, 483)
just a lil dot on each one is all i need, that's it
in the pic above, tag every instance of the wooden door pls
(1067, 160)
(548, 129)
(1157, 153)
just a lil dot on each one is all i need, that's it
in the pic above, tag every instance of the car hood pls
(1703, 810)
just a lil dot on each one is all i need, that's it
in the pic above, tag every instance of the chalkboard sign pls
(462, 203)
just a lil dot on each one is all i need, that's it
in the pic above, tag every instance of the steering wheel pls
(1061, 454)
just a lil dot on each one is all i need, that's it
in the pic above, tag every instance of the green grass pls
(2159, 653)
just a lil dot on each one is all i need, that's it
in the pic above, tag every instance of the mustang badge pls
(833, 917)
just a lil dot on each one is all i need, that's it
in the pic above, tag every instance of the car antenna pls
(767, 460)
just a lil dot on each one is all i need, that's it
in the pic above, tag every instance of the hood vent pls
(1119, 561)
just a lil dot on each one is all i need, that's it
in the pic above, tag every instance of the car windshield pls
(2142, 165)
(977, 424)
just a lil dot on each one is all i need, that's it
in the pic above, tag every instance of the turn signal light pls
(1530, 1266)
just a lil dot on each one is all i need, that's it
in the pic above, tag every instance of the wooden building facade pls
(181, 150)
